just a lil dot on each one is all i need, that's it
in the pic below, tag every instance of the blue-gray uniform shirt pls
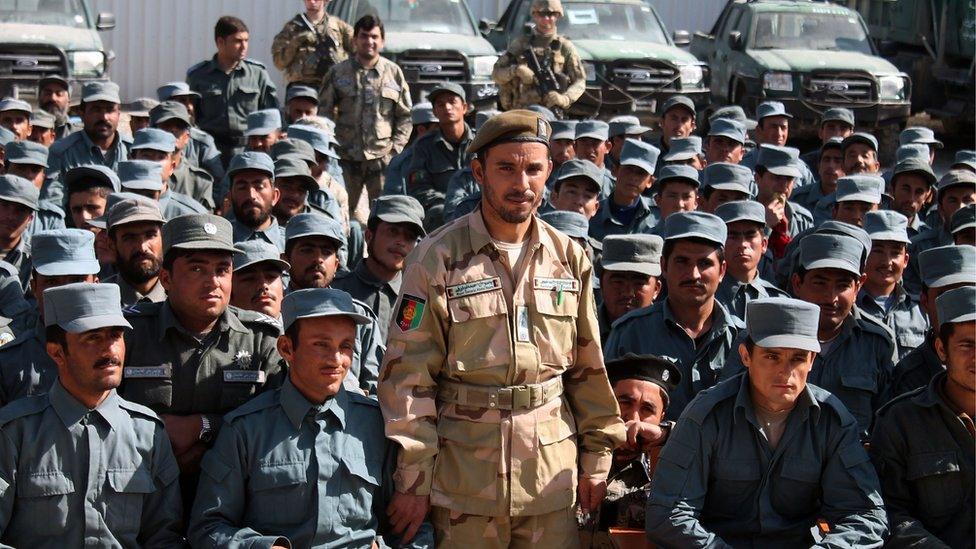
(924, 453)
(202, 152)
(19, 257)
(48, 217)
(718, 483)
(931, 238)
(917, 368)
(808, 196)
(378, 295)
(855, 366)
(798, 217)
(916, 226)
(77, 149)
(273, 234)
(74, 477)
(463, 195)
(806, 176)
(735, 295)
(173, 204)
(226, 98)
(433, 163)
(903, 317)
(654, 330)
(644, 218)
(395, 178)
(318, 475)
(25, 367)
(195, 183)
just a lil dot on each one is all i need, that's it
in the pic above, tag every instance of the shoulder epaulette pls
(703, 403)
(197, 66)
(902, 397)
(59, 146)
(642, 311)
(255, 62)
(359, 398)
(261, 402)
(141, 410)
(199, 135)
(23, 407)
(248, 316)
(17, 341)
(142, 309)
(875, 325)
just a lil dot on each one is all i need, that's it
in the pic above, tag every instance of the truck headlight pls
(590, 69)
(86, 63)
(892, 87)
(483, 65)
(778, 81)
(691, 75)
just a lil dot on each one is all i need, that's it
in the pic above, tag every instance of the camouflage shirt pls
(463, 317)
(371, 108)
(514, 94)
(305, 51)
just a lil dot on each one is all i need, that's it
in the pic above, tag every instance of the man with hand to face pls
(630, 271)
(627, 210)
(777, 170)
(729, 474)
(744, 248)
(257, 284)
(102, 465)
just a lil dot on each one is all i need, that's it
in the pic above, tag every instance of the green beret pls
(509, 127)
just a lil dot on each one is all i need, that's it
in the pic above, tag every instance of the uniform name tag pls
(245, 376)
(147, 372)
(474, 288)
(557, 284)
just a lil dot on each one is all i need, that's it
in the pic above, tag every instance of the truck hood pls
(64, 37)
(811, 60)
(596, 50)
(467, 45)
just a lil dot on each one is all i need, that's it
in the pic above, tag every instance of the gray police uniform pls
(735, 295)
(377, 294)
(924, 453)
(463, 195)
(719, 483)
(194, 182)
(173, 204)
(654, 331)
(25, 367)
(642, 217)
(318, 475)
(916, 368)
(202, 152)
(903, 317)
(131, 296)
(273, 234)
(74, 477)
(77, 149)
(433, 163)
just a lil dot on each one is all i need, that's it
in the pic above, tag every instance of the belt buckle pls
(521, 397)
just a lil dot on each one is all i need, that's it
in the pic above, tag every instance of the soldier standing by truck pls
(540, 67)
(310, 44)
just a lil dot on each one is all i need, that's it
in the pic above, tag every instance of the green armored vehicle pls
(43, 38)
(432, 41)
(809, 55)
(632, 64)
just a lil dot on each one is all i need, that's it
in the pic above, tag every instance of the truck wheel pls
(888, 142)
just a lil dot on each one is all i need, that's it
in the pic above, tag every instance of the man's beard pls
(252, 220)
(131, 272)
(509, 216)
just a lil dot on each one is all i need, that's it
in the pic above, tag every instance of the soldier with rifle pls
(310, 44)
(540, 67)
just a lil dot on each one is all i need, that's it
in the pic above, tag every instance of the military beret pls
(83, 306)
(659, 371)
(511, 126)
(319, 302)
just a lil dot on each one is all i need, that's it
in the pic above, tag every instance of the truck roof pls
(812, 6)
(631, 2)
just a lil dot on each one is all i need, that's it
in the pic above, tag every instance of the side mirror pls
(106, 21)
(681, 38)
(486, 26)
(735, 40)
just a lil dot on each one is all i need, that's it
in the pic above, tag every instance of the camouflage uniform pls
(468, 327)
(304, 51)
(371, 108)
(513, 93)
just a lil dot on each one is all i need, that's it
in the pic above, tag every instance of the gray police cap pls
(771, 108)
(860, 188)
(302, 92)
(101, 222)
(263, 122)
(860, 137)
(732, 112)
(422, 113)
(10, 104)
(28, 153)
(563, 129)
(678, 101)
(198, 232)
(919, 134)
(170, 90)
(446, 87)
(140, 107)
(729, 177)
(832, 226)
(947, 265)
(835, 142)
(633, 253)
(638, 153)
(134, 210)
(955, 178)
(956, 305)
(594, 129)
(578, 167)
(83, 306)
(695, 225)
(257, 251)
(964, 218)
(783, 322)
(916, 166)
(782, 161)
(315, 224)
(63, 252)
(742, 210)
(297, 148)
(316, 137)
(912, 151)
(100, 91)
(965, 158)
(14, 188)
(483, 116)
(319, 302)
(43, 119)
(295, 167)
(571, 224)
(398, 208)
(729, 128)
(831, 251)
(153, 139)
(682, 173)
(887, 225)
(169, 110)
(838, 114)
(627, 124)
(684, 148)
(251, 160)
(141, 175)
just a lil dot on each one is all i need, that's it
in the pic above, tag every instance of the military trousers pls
(363, 175)
(453, 529)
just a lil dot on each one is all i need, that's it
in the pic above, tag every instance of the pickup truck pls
(432, 41)
(809, 55)
(632, 63)
(45, 38)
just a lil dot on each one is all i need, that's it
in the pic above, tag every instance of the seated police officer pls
(759, 458)
(307, 464)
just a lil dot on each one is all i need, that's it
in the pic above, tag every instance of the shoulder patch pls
(23, 407)
(410, 312)
(263, 401)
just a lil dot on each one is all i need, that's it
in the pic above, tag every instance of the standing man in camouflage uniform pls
(518, 85)
(311, 44)
(494, 358)
(230, 87)
(368, 97)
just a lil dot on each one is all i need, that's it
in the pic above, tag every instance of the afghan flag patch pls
(410, 313)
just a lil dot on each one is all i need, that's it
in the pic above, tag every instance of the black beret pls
(657, 370)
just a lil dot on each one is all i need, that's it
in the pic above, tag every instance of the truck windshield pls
(599, 21)
(437, 16)
(810, 31)
(69, 13)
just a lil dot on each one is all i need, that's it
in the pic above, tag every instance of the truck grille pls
(841, 89)
(642, 77)
(428, 67)
(22, 65)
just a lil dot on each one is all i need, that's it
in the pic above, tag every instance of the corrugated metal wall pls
(155, 41)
